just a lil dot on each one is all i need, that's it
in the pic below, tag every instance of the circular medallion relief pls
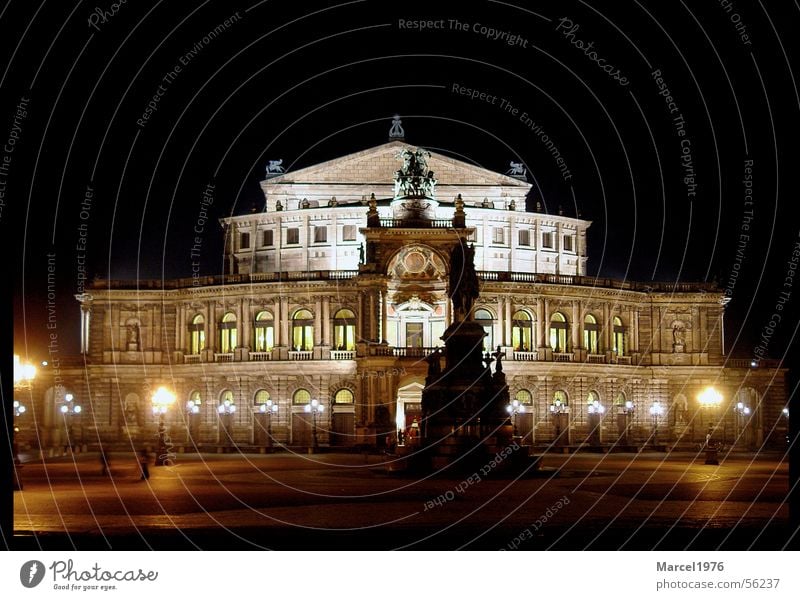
(414, 261)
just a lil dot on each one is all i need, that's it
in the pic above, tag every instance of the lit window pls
(197, 335)
(559, 333)
(227, 333)
(619, 337)
(303, 330)
(300, 397)
(522, 332)
(485, 319)
(560, 398)
(293, 236)
(344, 330)
(343, 397)
(524, 397)
(261, 397)
(591, 334)
(264, 331)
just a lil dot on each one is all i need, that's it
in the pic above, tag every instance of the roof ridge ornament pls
(274, 168)
(517, 171)
(414, 179)
(396, 131)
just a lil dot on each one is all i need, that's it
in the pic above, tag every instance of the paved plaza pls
(340, 500)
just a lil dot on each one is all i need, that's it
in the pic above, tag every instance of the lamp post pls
(596, 411)
(656, 411)
(269, 408)
(68, 410)
(24, 374)
(710, 399)
(226, 411)
(315, 407)
(514, 408)
(557, 409)
(742, 416)
(162, 399)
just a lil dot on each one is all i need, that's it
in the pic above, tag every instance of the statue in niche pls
(133, 337)
(464, 286)
(678, 336)
(131, 410)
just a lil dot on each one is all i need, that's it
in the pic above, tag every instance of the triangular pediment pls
(378, 166)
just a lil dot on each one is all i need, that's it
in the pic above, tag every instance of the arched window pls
(485, 319)
(524, 397)
(227, 333)
(264, 331)
(197, 335)
(301, 397)
(622, 403)
(559, 333)
(560, 401)
(303, 330)
(195, 400)
(619, 337)
(343, 396)
(590, 335)
(261, 397)
(593, 403)
(522, 331)
(344, 330)
(227, 403)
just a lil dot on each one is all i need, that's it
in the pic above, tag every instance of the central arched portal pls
(408, 416)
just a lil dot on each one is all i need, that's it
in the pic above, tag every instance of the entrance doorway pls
(408, 417)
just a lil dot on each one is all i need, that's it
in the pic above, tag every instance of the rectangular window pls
(244, 241)
(349, 233)
(414, 335)
(524, 237)
(266, 239)
(497, 235)
(472, 236)
(547, 239)
(320, 234)
(293, 236)
(568, 243)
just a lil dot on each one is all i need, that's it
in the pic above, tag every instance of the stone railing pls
(596, 358)
(563, 356)
(418, 223)
(621, 360)
(223, 357)
(343, 354)
(601, 282)
(301, 355)
(191, 359)
(261, 356)
(525, 356)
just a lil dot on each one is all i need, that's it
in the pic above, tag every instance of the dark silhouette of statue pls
(464, 287)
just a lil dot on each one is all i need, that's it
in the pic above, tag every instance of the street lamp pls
(710, 399)
(315, 407)
(24, 374)
(269, 408)
(596, 411)
(742, 415)
(162, 399)
(656, 411)
(68, 410)
(514, 409)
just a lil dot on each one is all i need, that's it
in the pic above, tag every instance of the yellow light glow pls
(710, 397)
(23, 371)
(163, 397)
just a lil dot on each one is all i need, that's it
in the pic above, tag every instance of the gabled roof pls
(377, 165)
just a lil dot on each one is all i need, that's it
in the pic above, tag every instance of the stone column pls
(384, 315)
(544, 310)
(508, 336)
(636, 330)
(318, 323)
(247, 325)
(607, 328)
(501, 327)
(577, 327)
(326, 321)
(284, 318)
(373, 305)
(696, 330)
(211, 340)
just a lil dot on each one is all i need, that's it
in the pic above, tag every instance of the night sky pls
(120, 121)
